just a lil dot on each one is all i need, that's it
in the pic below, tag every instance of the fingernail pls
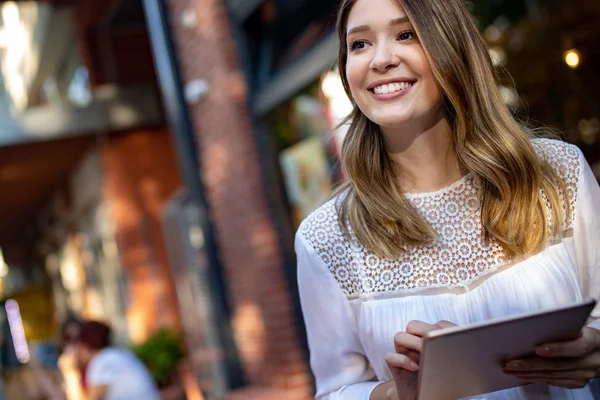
(514, 365)
(545, 350)
(414, 366)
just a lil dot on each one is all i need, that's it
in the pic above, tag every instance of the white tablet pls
(465, 361)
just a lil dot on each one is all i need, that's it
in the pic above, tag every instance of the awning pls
(298, 75)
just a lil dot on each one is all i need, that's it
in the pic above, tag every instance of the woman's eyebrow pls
(360, 28)
(399, 21)
(363, 28)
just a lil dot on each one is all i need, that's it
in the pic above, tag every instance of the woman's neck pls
(425, 155)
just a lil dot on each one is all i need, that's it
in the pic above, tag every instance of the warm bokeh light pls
(20, 52)
(249, 323)
(498, 56)
(572, 58)
(333, 89)
(3, 265)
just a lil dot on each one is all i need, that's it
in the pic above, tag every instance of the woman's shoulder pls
(322, 227)
(564, 157)
(321, 236)
(567, 161)
(322, 221)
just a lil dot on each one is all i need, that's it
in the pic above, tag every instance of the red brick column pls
(258, 291)
(140, 174)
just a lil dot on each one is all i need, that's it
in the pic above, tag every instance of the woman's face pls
(387, 70)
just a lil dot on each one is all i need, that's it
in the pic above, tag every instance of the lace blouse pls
(354, 301)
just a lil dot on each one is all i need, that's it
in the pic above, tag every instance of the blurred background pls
(157, 156)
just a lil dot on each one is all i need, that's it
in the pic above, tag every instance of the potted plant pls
(161, 354)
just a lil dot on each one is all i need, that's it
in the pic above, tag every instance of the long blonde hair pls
(489, 144)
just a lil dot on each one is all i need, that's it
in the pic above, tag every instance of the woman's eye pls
(358, 45)
(407, 35)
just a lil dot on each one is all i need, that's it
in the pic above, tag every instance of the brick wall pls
(140, 174)
(262, 316)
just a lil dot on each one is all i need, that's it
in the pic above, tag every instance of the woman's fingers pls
(564, 383)
(415, 330)
(420, 328)
(554, 364)
(404, 373)
(576, 375)
(570, 364)
(586, 343)
(563, 372)
(445, 324)
(404, 341)
(395, 360)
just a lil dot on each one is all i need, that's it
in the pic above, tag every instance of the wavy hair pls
(488, 141)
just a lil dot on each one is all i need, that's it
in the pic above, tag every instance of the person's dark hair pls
(95, 335)
(70, 329)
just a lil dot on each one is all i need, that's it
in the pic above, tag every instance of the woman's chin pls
(392, 120)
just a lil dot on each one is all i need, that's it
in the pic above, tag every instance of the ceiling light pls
(572, 58)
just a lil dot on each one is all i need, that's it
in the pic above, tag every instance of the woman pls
(111, 373)
(453, 213)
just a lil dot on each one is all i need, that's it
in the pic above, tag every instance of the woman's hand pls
(404, 364)
(570, 364)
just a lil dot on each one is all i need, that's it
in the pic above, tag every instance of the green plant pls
(160, 353)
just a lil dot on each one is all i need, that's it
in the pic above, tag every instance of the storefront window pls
(308, 143)
(551, 50)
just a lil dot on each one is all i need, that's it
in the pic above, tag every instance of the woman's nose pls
(384, 59)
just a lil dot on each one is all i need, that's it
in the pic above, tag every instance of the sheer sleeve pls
(586, 231)
(341, 369)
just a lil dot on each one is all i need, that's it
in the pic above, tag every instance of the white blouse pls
(354, 301)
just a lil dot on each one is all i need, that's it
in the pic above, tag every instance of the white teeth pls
(392, 87)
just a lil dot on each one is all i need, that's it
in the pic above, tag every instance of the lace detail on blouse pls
(458, 257)
(564, 158)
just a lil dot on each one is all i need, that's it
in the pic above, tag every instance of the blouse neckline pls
(441, 191)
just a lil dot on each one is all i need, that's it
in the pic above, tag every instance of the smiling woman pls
(453, 211)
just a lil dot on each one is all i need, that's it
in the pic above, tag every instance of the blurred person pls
(112, 373)
(453, 212)
(73, 374)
